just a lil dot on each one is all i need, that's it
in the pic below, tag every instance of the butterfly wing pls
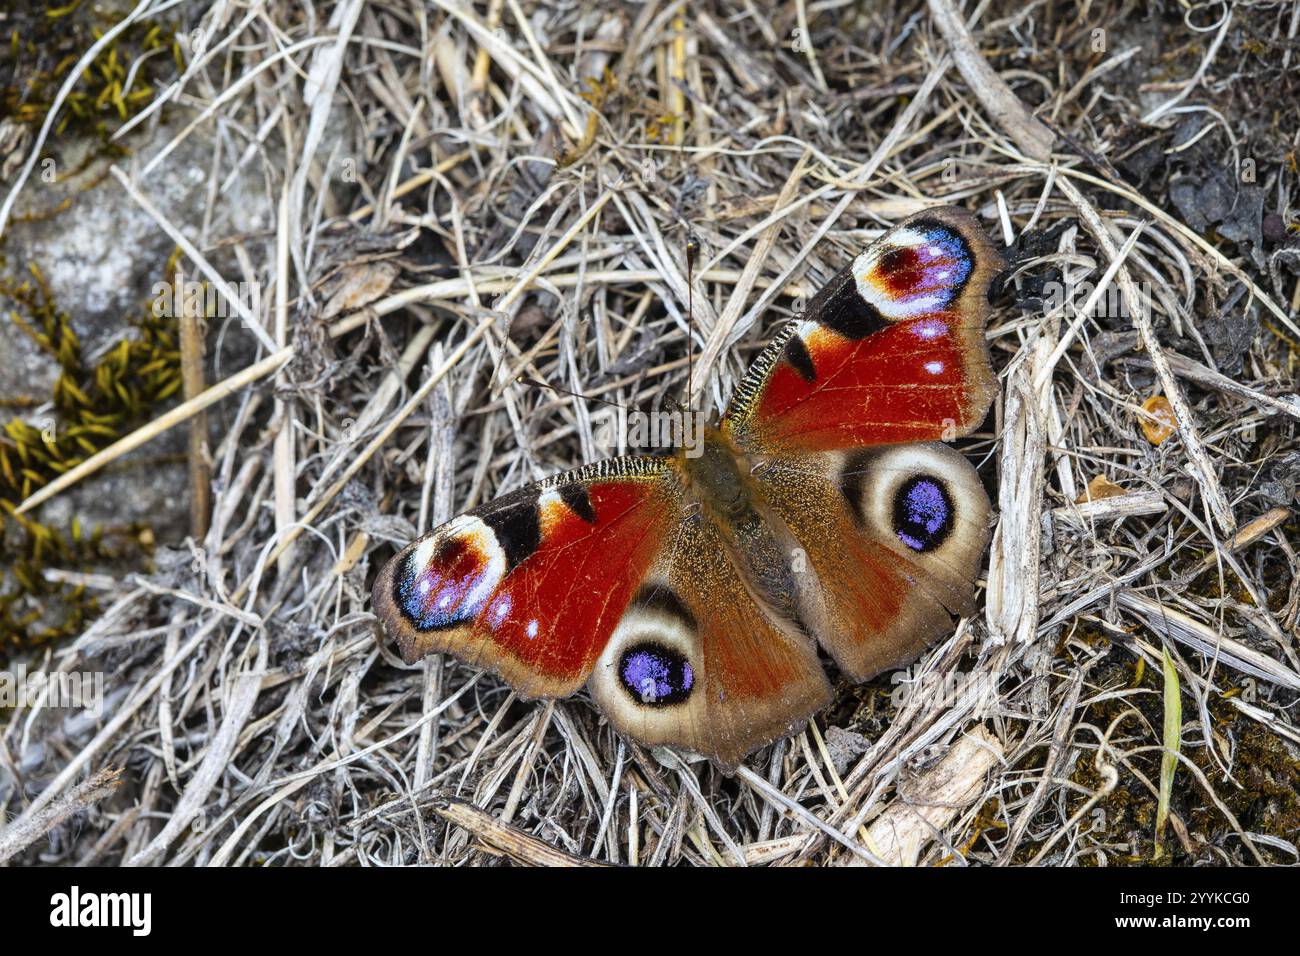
(698, 662)
(532, 584)
(891, 350)
(842, 410)
(601, 574)
(606, 576)
(891, 540)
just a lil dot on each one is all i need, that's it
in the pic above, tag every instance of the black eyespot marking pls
(655, 675)
(664, 599)
(517, 526)
(796, 353)
(840, 308)
(577, 500)
(923, 513)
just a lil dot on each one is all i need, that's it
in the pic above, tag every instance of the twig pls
(1003, 105)
(31, 826)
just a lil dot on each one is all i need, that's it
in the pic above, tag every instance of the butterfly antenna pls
(692, 251)
(536, 383)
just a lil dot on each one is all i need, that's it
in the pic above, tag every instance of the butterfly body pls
(690, 593)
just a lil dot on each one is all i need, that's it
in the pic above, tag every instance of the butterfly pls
(690, 593)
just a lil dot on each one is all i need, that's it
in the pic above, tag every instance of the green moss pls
(1265, 797)
(45, 43)
(1268, 798)
(93, 407)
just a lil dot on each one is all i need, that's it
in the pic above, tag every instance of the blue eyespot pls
(448, 591)
(655, 675)
(952, 247)
(923, 513)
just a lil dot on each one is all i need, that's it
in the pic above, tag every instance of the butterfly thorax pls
(723, 492)
(717, 476)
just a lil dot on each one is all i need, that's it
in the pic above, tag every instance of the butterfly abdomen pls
(721, 482)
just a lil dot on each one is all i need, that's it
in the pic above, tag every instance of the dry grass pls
(499, 226)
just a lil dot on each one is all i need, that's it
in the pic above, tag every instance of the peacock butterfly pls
(689, 593)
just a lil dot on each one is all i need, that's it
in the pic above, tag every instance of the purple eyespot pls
(948, 251)
(932, 272)
(655, 675)
(923, 513)
(448, 591)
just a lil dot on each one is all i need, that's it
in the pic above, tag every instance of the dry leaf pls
(1159, 422)
(1100, 487)
(361, 285)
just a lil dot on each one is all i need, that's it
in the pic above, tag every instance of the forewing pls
(891, 350)
(533, 584)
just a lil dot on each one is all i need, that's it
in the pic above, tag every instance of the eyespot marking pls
(923, 270)
(444, 585)
(655, 675)
(923, 513)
